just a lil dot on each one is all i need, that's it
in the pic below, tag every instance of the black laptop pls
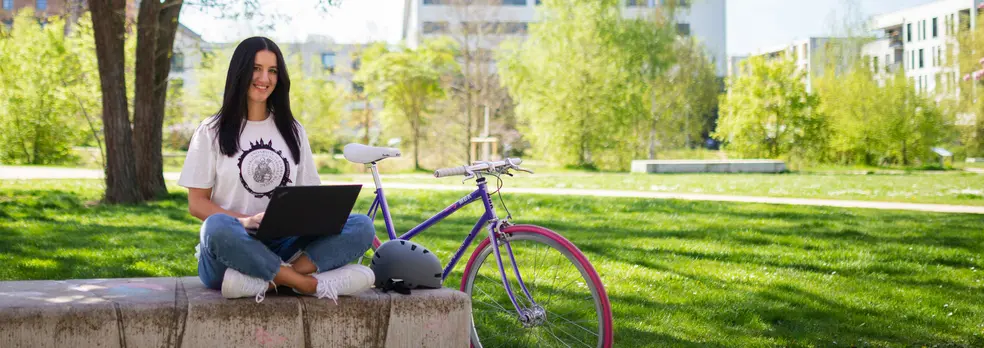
(307, 211)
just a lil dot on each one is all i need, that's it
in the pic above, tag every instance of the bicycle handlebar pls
(479, 166)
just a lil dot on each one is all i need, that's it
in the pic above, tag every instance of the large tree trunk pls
(108, 18)
(157, 25)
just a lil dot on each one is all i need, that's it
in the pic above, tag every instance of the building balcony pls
(893, 68)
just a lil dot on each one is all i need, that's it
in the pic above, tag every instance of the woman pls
(235, 160)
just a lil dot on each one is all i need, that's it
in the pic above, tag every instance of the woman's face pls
(264, 76)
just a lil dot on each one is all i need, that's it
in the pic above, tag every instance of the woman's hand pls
(252, 222)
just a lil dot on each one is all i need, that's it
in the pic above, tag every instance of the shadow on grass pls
(664, 262)
(57, 234)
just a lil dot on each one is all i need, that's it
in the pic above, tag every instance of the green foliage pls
(317, 103)
(582, 79)
(410, 82)
(768, 112)
(684, 98)
(44, 83)
(970, 100)
(855, 105)
(912, 124)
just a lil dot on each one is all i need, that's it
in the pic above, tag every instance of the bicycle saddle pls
(359, 153)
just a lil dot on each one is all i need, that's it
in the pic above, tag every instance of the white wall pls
(706, 19)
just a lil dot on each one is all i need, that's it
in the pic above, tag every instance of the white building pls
(704, 19)
(915, 40)
(808, 55)
(186, 58)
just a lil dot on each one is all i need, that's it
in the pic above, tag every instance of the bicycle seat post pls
(375, 174)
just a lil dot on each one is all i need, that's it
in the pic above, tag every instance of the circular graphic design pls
(262, 168)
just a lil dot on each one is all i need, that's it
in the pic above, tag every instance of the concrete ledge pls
(708, 166)
(181, 312)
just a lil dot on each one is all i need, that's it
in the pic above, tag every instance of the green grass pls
(942, 187)
(679, 273)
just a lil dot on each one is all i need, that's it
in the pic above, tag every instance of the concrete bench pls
(708, 166)
(181, 312)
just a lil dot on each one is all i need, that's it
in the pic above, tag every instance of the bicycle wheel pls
(571, 307)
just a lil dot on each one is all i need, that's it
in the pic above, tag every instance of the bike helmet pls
(405, 264)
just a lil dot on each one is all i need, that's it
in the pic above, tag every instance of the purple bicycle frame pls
(481, 193)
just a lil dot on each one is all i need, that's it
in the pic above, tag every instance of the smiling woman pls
(236, 159)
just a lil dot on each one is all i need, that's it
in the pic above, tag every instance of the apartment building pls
(502, 19)
(810, 56)
(915, 41)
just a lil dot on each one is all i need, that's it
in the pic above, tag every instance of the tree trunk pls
(157, 26)
(415, 129)
(108, 24)
(905, 157)
(652, 128)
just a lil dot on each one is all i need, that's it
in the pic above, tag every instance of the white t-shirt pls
(244, 182)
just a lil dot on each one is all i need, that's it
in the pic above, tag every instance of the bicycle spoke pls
(557, 338)
(572, 322)
(568, 334)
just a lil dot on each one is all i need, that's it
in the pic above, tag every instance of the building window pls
(42, 5)
(434, 2)
(920, 58)
(328, 61)
(908, 32)
(357, 87)
(435, 27)
(874, 63)
(912, 59)
(8, 5)
(356, 63)
(514, 2)
(177, 62)
(935, 32)
(924, 37)
(637, 3)
(683, 29)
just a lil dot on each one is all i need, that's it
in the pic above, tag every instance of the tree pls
(39, 73)
(409, 81)
(684, 98)
(767, 112)
(108, 19)
(317, 103)
(967, 52)
(477, 86)
(157, 23)
(856, 107)
(913, 123)
(580, 82)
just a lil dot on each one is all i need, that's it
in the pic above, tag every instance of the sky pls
(751, 24)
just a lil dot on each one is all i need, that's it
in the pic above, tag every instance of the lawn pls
(918, 187)
(679, 273)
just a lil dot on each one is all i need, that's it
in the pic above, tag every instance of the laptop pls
(307, 211)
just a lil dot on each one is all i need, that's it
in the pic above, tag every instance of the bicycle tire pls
(553, 241)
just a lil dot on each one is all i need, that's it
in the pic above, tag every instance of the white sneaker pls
(237, 285)
(343, 281)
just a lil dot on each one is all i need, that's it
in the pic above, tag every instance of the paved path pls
(10, 172)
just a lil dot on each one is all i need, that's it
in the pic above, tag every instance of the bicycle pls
(528, 311)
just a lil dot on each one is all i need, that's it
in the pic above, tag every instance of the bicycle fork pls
(535, 315)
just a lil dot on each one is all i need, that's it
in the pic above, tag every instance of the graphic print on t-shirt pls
(262, 168)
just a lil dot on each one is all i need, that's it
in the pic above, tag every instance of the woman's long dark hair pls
(231, 118)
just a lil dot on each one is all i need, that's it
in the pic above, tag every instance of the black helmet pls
(406, 264)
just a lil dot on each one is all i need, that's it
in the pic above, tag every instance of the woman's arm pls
(201, 206)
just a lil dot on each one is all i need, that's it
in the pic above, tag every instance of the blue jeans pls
(225, 243)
